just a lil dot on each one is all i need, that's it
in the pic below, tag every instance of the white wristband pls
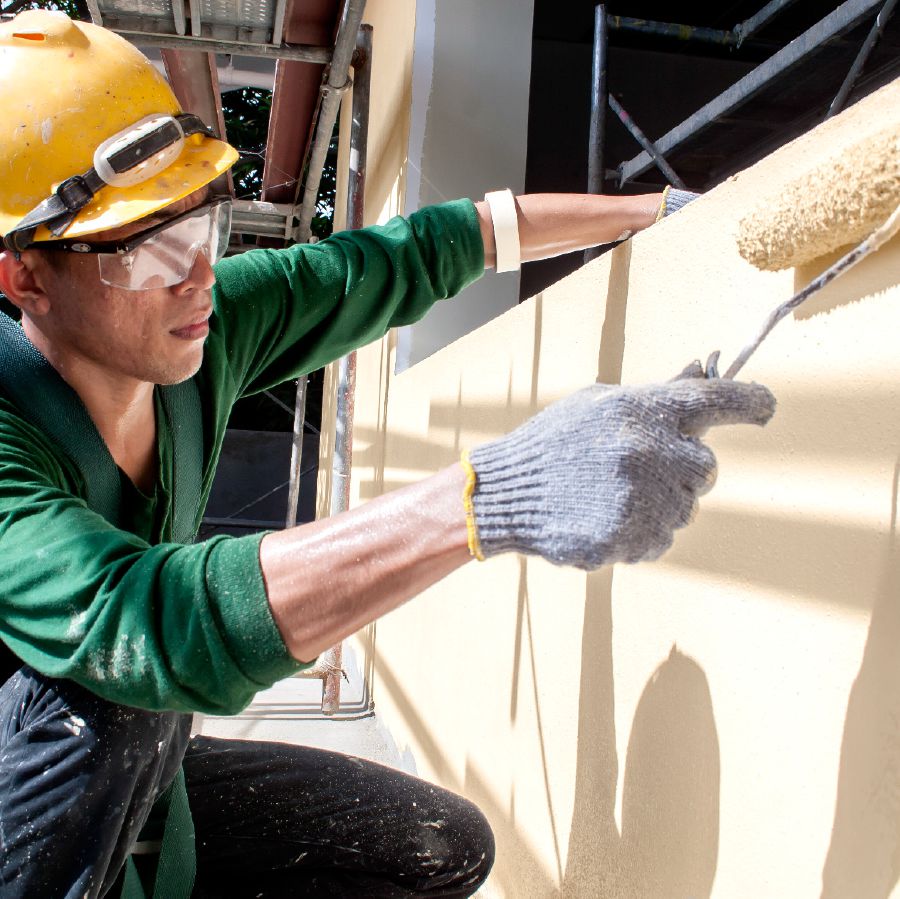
(506, 229)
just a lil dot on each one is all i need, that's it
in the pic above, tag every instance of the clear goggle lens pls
(167, 255)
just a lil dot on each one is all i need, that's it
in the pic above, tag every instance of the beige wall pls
(723, 722)
(393, 23)
(449, 118)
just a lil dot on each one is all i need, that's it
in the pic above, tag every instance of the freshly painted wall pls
(725, 721)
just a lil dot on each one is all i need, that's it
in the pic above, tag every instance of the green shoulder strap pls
(24, 374)
(181, 403)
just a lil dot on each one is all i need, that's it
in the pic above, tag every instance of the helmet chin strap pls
(58, 211)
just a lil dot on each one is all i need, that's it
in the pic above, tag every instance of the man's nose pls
(201, 276)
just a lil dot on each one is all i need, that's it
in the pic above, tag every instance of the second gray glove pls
(607, 474)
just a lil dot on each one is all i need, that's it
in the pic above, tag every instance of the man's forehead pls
(185, 204)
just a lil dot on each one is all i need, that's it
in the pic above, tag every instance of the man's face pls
(153, 336)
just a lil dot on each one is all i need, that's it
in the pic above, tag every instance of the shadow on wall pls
(670, 804)
(670, 823)
(612, 335)
(866, 279)
(671, 790)
(422, 454)
(864, 856)
(669, 842)
(670, 796)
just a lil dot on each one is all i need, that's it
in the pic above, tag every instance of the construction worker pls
(135, 342)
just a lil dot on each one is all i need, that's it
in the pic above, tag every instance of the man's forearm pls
(553, 224)
(327, 579)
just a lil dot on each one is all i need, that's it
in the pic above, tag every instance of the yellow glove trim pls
(468, 494)
(662, 206)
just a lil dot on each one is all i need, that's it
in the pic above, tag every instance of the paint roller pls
(852, 197)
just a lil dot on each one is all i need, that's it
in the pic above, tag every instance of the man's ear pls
(23, 283)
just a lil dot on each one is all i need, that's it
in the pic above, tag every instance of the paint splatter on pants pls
(78, 776)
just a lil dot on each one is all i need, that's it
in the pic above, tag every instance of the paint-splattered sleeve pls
(160, 627)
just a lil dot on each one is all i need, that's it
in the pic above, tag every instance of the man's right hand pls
(607, 474)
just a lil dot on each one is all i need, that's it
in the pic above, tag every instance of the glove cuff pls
(469, 505)
(506, 498)
(673, 199)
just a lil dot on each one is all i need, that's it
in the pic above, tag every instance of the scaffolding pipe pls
(294, 52)
(278, 22)
(294, 478)
(346, 389)
(837, 104)
(728, 38)
(744, 29)
(646, 143)
(336, 84)
(599, 94)
(671, 29)
(845, 16)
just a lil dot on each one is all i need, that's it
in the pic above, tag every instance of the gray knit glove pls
(607, 474)
(673, 200)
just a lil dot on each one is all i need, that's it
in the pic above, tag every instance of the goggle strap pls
(58, 211)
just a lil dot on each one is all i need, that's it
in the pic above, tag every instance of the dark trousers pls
(78, 776)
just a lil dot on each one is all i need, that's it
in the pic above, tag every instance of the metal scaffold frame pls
(654, 153)
(330, 663)
(257, 31)
(329, 668)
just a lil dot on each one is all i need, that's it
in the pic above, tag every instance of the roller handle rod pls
(875, 240)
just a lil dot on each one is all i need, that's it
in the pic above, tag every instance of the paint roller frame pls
(851, 197)
(873, 242)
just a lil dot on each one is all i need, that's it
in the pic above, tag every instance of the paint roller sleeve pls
(839, 202)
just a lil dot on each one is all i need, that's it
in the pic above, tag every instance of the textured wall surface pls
(725, 722)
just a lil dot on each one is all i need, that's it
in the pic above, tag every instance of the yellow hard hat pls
(92, 135)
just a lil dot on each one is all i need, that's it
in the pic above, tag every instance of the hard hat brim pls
(202, 160)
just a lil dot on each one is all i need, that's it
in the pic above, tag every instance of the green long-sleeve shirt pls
(128, 613)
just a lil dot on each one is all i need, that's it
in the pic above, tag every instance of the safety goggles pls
(163, 255)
